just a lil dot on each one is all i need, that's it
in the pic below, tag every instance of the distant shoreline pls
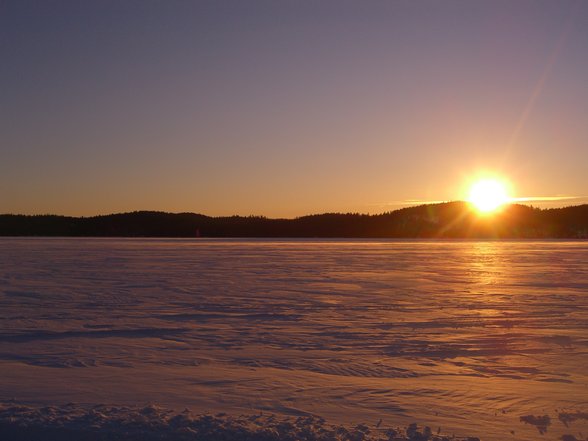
(450, 220)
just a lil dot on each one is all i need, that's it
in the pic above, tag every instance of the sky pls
(286, 108)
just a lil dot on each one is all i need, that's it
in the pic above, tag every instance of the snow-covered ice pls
(484, 339)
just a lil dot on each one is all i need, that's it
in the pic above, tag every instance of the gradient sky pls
(285, 108)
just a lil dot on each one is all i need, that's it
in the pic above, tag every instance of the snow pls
(155, 423)
(475, 338)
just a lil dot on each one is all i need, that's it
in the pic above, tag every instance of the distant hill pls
(446, 220)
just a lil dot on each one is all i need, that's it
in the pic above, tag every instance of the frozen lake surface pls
(487, 339)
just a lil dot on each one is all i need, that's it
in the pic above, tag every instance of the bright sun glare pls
(488, 195)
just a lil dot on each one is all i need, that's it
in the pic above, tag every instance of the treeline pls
(447, 220)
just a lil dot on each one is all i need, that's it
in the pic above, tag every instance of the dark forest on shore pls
(445, 220)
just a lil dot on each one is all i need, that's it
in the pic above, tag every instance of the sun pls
(488, 194)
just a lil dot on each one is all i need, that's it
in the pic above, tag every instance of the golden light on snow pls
(488, 194)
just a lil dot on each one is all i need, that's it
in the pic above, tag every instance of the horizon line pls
(417, 203)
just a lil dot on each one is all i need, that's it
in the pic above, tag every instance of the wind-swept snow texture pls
(486, 339)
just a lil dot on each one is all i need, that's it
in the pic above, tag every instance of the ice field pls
(485, 339)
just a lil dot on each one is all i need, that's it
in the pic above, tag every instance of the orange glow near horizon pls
(488, 195)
